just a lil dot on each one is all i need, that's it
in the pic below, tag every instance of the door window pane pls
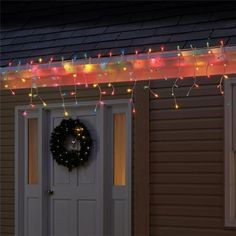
(32, 151)
(119, 150)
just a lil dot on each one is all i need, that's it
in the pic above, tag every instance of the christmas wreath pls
(70, 143)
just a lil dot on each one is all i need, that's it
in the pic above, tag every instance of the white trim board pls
(229, 152)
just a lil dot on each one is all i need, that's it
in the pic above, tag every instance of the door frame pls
(43, 169)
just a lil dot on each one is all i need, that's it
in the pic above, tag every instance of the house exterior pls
(181, 176)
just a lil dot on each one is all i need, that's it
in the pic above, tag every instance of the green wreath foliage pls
(71, 143)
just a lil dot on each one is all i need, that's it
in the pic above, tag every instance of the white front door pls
(91, 200)
(76, 197)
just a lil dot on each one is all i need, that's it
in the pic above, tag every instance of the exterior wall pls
(186, 158)
(187, 161)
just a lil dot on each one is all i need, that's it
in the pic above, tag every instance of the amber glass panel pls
(32, 151)
(119, 151)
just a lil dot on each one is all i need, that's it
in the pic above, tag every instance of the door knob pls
(50, 192)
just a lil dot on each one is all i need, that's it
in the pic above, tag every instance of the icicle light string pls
(74, 93)
(224, 76)
(12, 92)
(156, 95)
(132, 90)
(150, 71)
(100, 101)
(84, 74)
(175, 85)
(159, 70)
(131, 73)
(55, 77)
(30, 94)
(63, 101)
(66, 113)
(132, 98)
(159, 67)
(35, 78)
(40, 98)
(31, 97)
(173, 93)
(194, 85)
(179, 62)
(220, 85)
(85, 56)
(110, 85)
(209, 63)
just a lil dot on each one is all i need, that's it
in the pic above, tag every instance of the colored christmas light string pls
(156, 95)
(224, 76)
(159, 67)
(40, 98)
(110, 85)
(25, 113)
(74, 93)
(7, 87)
(101, 93)
(179, 54)
(66, 113)
(173, 92)
(63, 102)
(208, 62)
(40, 60)
(132, 90)
(149, 83)
(12, 92)
(31, 97)
(161, 73)
(150, 71)
(35, 87)
(100, 101)
(194, 85)
(85, 80)
(30, 65)
(175, 85)
(132, 97)
(31, 105)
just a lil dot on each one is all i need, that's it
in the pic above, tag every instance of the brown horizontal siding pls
(186, 161)
(192, 231)
(7, 123)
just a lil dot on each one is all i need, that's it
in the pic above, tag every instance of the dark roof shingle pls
(35, 29)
